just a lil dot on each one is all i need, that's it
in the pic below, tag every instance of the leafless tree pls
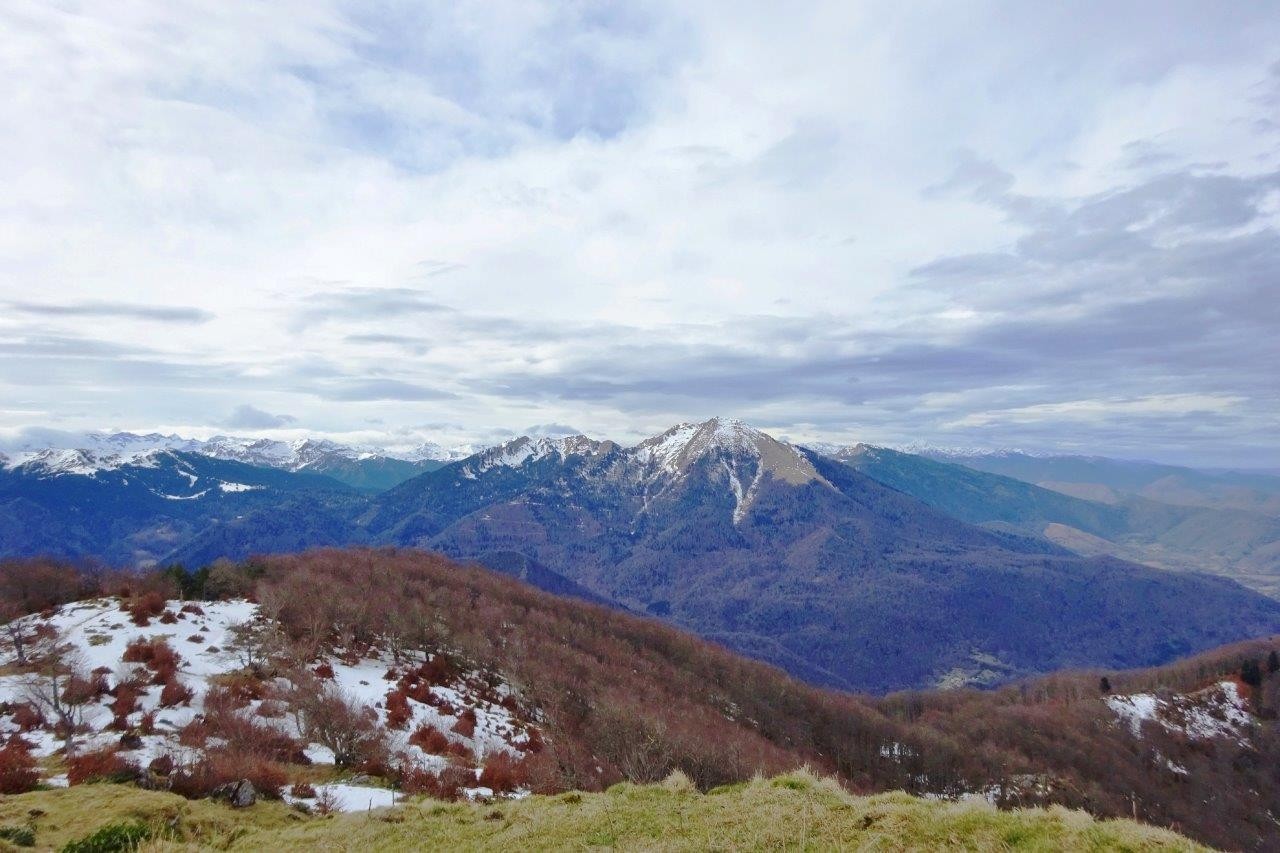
(255, 644)
(60, 690)
(329, 717)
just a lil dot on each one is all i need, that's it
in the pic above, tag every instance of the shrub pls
(446, 785)
(125, 703)
(26, 717)
(19, 772)
(398, 713)
(193, 609)
(430, 739)
(324, 670)
(161, 765)
(533, 742)
(168, 618)
(466, 725)
(244, 687)
(501, 772)
(137, 651)
(147, 725)
(199, 779)
(195, 638)
(175, 693)
(18, 836)
(112, 838)
(302, 789)
(102, 766)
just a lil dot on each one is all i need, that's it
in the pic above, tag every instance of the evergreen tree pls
(1273, 662)
(1251, 673)
(1105, 684)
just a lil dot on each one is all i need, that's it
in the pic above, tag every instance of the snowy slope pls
(96, 633)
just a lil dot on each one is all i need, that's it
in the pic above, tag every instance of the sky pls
(1043, 226)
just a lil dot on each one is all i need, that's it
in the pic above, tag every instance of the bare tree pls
(255, 643)
(17, 630)
(60, 690)
(327, 716)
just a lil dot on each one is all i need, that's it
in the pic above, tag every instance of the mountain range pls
(840, 571)
(367, 469)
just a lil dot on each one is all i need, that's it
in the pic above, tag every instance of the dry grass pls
(796, 811)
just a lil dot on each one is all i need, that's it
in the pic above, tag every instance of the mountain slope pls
(621, 698)
(799, 560)
(1241, 545)
(1244, 490)
(76, 504)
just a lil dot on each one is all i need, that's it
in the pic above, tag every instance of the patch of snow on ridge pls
(1216, 711)
(237, 487)
(95, 634)
(519, 451)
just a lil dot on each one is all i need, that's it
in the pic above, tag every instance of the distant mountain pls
(1254, 491)
(774, 550)
(137, 510)
(1239, 544)
(366, 469)
(798, 559)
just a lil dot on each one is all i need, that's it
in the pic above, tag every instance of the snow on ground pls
(98, 632)
(1216, 711)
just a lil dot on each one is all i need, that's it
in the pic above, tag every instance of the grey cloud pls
(416, 345)
(246, 416)
(551, 431)
(125, 310)
(369, 390)
(365, 304)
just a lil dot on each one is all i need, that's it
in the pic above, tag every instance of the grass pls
(63, 815)
(792, 812)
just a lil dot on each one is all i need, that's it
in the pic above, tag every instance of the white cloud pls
(565, 182)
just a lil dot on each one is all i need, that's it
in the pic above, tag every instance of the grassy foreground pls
(796, 811)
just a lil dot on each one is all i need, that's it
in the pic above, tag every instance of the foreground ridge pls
(797, 809)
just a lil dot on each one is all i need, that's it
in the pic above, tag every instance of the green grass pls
(792, 812)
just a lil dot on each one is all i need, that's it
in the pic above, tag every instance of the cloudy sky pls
(962, 224)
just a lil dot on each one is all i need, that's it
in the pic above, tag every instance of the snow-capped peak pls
(519, 451)
(430, 451)
(684, 444)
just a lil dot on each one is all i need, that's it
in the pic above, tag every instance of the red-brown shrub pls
(243, 686)
(19, 772)
(302, 789)
(533, 743)
(193, 609)
(398, 712)
(77, 690)
(125, 703)
(147, 725)
(502, 773)
(137, 651)
(102, 766)
(323, 670)
(26, 717)
(194, 734)
(195, 638)
(466, 725)
(175, 693)
(270, 709)
(430, 739)
(242, 734)
(199, 779)
(446, 785)
(168, 618)
(161, 765)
